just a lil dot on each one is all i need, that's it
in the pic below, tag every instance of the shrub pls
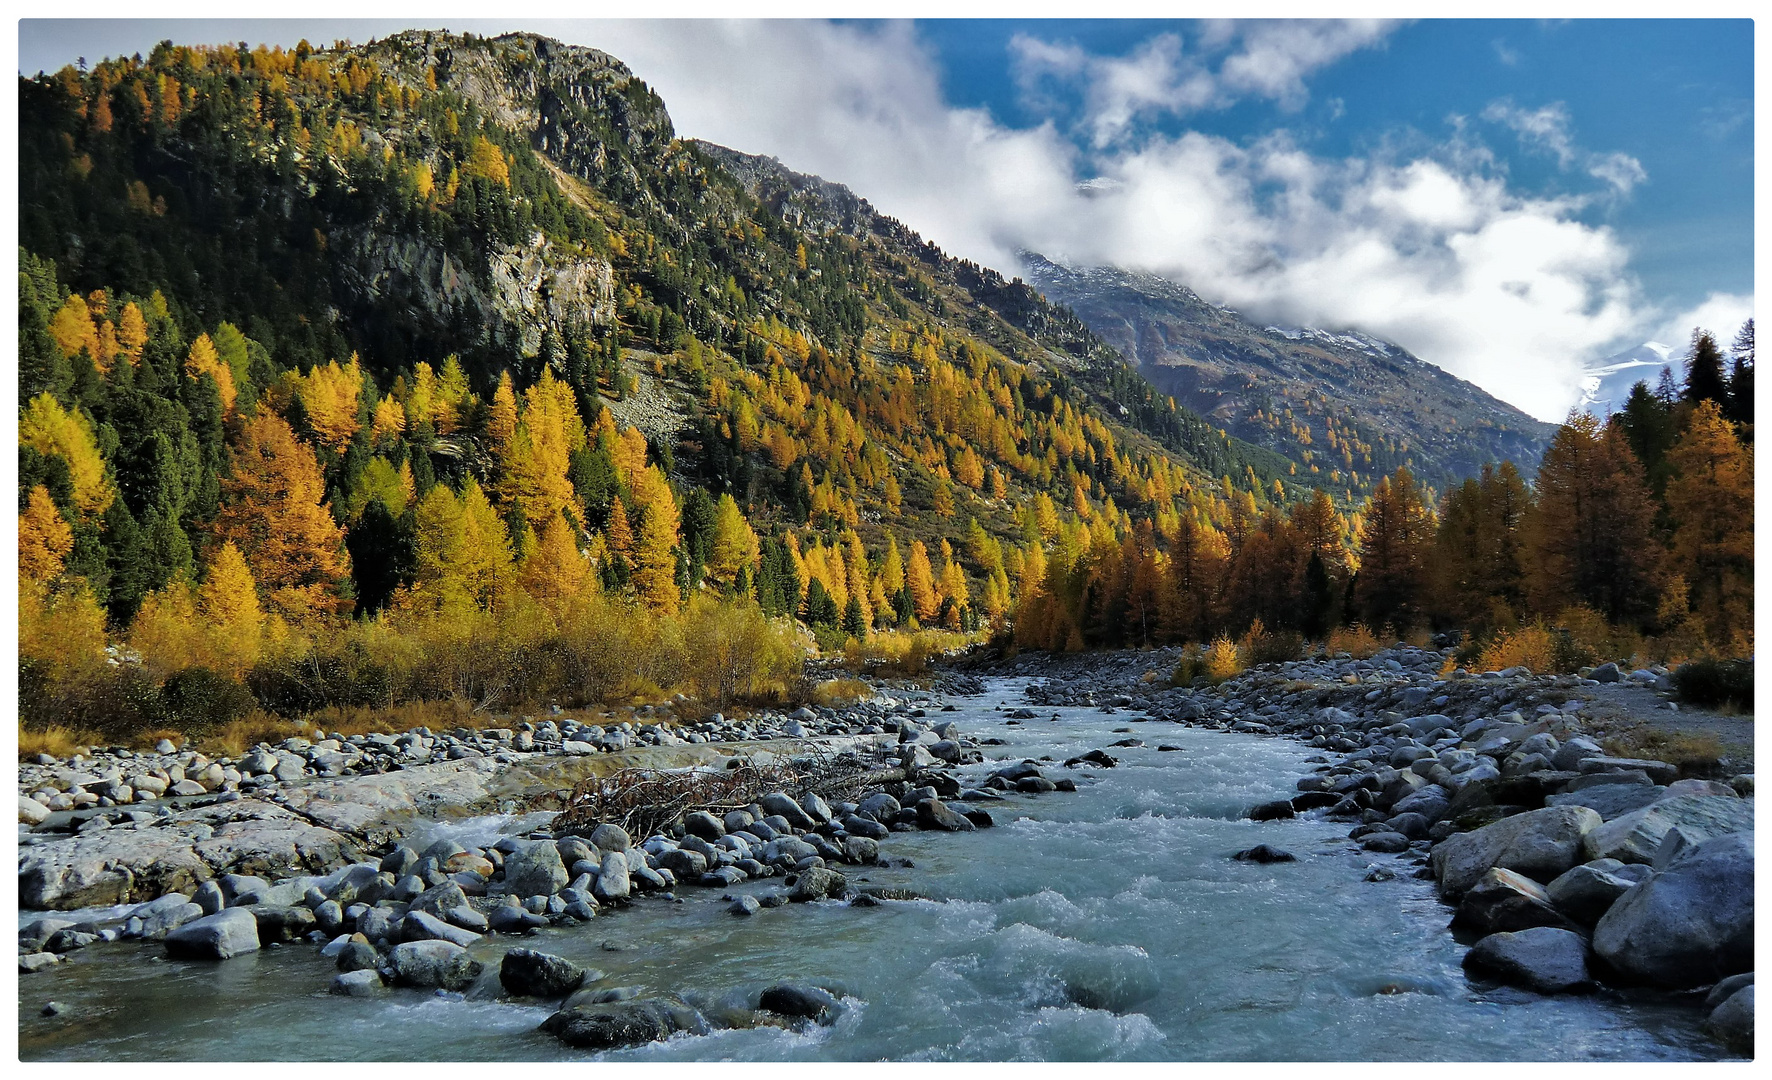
(197, 699)
(1261, 646)
(1711, 683)
(1531, 647)
(1222, 660)
(840, 693)
(1357, 641)
(733, 651)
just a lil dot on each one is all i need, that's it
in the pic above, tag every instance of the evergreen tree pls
(1394, 541)
(1741, 376)
(1704, 371)
(381, 548)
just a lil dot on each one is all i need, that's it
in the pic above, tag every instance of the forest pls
(252, 490)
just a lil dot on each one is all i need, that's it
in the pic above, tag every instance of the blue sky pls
(1512, 200)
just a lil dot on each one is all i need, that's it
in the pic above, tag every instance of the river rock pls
(880, 806)
(438, 899)
(805, 1002)
(934, 814)
(1544, 959)
(1278, 810)
(436, 964)
(31, 812)
(168, 913)
(744, 905)
(1504, 900)
(1732, 1022)
(423, 926)
(817, 883)
(1264, 853)
(1689, 925)
(612, 1024)
(1588, 891)
(32, 962)
(705, 825)
(283, 924)
(528, 973)
(816, 807)
(512, 919)
(1541, 844)
(1636, 836)
(1609, 800)
(613, 884)
(221, 936)
(535, 870)
(357, 954)
(777, 802)
(687, 865)
(359, 982)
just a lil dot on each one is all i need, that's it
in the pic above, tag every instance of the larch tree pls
(735, 547)
(202, 360)
(555, 571)
(655, 549)
(44, 539)
(1589, 537)
(1711, 497)
(1394, 544)
(47, 428)
(228, 602)
(274, 510)
(920, 579)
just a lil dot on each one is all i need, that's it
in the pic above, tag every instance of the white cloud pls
(1720, 313)
(1430, 248)
(1547, 128)
(1266, 59)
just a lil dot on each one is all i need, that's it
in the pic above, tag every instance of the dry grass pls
(1357, 641)
(146, 740)
(1696, 753)
(347, 721)
(840, 693)
(238, 736)
(56, 740)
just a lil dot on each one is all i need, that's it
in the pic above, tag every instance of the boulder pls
(687, 865)
(1541, 844)
(362, 982)
(705, 825)
(423, 926)
(1636, 836)
(607, 1025)
(804, 1002)
(283, 924)
(1264, 853)
(536, 870)
(817, 883)
(1278, 810)
(1544, 959)
(1609, 800)
(434, 964)
(228, 933)
(613, 885)
(31, 812)
(777, 802)
(1732, 1022)
(1689, 925)
(528, 973)
(934, 814)
(1503, 901)
(1588, 891)
(608, 837)
(166, 914)
(1660, 772)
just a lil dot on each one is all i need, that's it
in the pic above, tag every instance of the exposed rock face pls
(1690, 925)
(1541, 844)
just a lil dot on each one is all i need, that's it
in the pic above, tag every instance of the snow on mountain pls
(1605, 387)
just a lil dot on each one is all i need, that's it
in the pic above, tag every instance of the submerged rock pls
(608, 1025)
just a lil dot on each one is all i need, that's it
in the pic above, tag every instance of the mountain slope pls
(1344, 408)
(319, 233)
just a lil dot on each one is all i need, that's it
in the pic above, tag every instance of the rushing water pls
(1110, 924)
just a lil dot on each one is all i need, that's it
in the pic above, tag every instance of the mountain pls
(1343, 408)
(1605, 386)
(368, 240)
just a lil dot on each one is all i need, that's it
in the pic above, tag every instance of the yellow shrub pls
(1223, 660)
(1531, 647)
(1357, 641)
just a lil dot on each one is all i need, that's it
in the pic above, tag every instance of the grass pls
(56, 740)
(1696, 753)
(1357, 641)
(840, 693)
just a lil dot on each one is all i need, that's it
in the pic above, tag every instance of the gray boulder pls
(362, 982)
(1503, 901)
(226, 934)
(1732, 1022)
(1609, 800)
(434, 964)
(1690, 925)
(817, 883)
(934, 814)
(1543, 959)
(801, 1002)
(608, 837)
(166, 914)
(1588, 891)
(423, 926)
(528, 973)
(1636, 836)
(705, 825)
(1541, 844)
(536, 870)
(613, 883)
(777, 802)
(607, 1025)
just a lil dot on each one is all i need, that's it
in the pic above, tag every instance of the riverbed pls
(1108, 924)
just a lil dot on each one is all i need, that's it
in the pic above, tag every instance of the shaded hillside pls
(1345, 408)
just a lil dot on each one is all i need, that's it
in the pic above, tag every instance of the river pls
(1109, 924)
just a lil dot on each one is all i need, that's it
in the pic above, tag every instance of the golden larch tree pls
(47, 428)
(1711, 498)
(44, 539)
